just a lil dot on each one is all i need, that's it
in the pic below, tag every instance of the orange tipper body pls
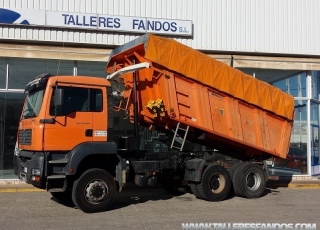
(223, 107)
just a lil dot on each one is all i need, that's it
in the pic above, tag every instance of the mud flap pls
(194, 169)
(121, 173)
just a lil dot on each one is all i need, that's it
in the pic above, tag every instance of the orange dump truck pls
(70, 148)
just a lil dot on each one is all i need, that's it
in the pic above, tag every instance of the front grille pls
(25, 137)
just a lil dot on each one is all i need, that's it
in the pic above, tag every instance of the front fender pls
(85, 149)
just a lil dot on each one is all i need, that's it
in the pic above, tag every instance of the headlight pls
(16, 149)
(36, 172)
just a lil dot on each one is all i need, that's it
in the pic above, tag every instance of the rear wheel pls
(232, 173)
(250, 180)
(215, 183)
(234, 168)
(94, 191)
(194, 189)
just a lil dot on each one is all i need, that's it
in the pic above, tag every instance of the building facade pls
(274, 41)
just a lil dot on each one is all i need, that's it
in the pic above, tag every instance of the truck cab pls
(65, 128)
(46, 126)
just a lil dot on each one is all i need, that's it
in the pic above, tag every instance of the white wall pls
(269, 26)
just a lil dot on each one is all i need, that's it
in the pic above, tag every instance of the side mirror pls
(58, 97)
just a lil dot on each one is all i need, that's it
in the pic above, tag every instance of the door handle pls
(88, 133)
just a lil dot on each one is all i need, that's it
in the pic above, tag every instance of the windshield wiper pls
(28, 116)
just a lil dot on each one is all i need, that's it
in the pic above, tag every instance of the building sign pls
(101, 22)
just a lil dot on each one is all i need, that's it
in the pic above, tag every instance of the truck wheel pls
(215, 183)
(62, 197)
(94, 191)
(249, 180)
(232, 171)
(194, 190)
(234, 168)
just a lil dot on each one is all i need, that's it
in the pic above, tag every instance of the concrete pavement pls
(156, 209)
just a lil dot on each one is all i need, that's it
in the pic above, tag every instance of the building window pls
(22, 70)
(294, 85)
(92, 69)
(3, 72)
(10, 111)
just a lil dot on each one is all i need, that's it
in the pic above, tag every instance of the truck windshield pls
(33, 103)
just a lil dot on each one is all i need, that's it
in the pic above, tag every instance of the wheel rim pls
(217, 183)
(96, 191)
(253, 181)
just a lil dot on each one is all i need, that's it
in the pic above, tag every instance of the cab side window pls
(96, 100)
(78, 99)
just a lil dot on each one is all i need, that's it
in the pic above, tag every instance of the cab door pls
(100, 113)
(72, 122)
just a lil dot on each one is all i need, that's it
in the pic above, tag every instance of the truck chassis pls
(93, 184)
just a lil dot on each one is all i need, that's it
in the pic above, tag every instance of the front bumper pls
(16, 165)
(26, 168)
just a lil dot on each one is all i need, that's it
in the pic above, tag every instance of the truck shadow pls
(137, 195)
(278, 184)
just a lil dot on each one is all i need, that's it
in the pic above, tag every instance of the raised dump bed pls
(223, 107)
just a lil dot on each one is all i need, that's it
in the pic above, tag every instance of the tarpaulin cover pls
(198, 66)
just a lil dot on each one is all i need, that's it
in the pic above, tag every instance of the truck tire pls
(62, 197)
(234, 168)
(194, 190)
(232, 171)
(249, 180)
(215, 183)
(94, 191)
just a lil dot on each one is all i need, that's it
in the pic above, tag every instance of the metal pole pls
(135, 103)
(309, 93)
(318, 134)
(300, 144)
(75, 68)
(7, 74)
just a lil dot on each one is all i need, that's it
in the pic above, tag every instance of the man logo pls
(11, 17)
